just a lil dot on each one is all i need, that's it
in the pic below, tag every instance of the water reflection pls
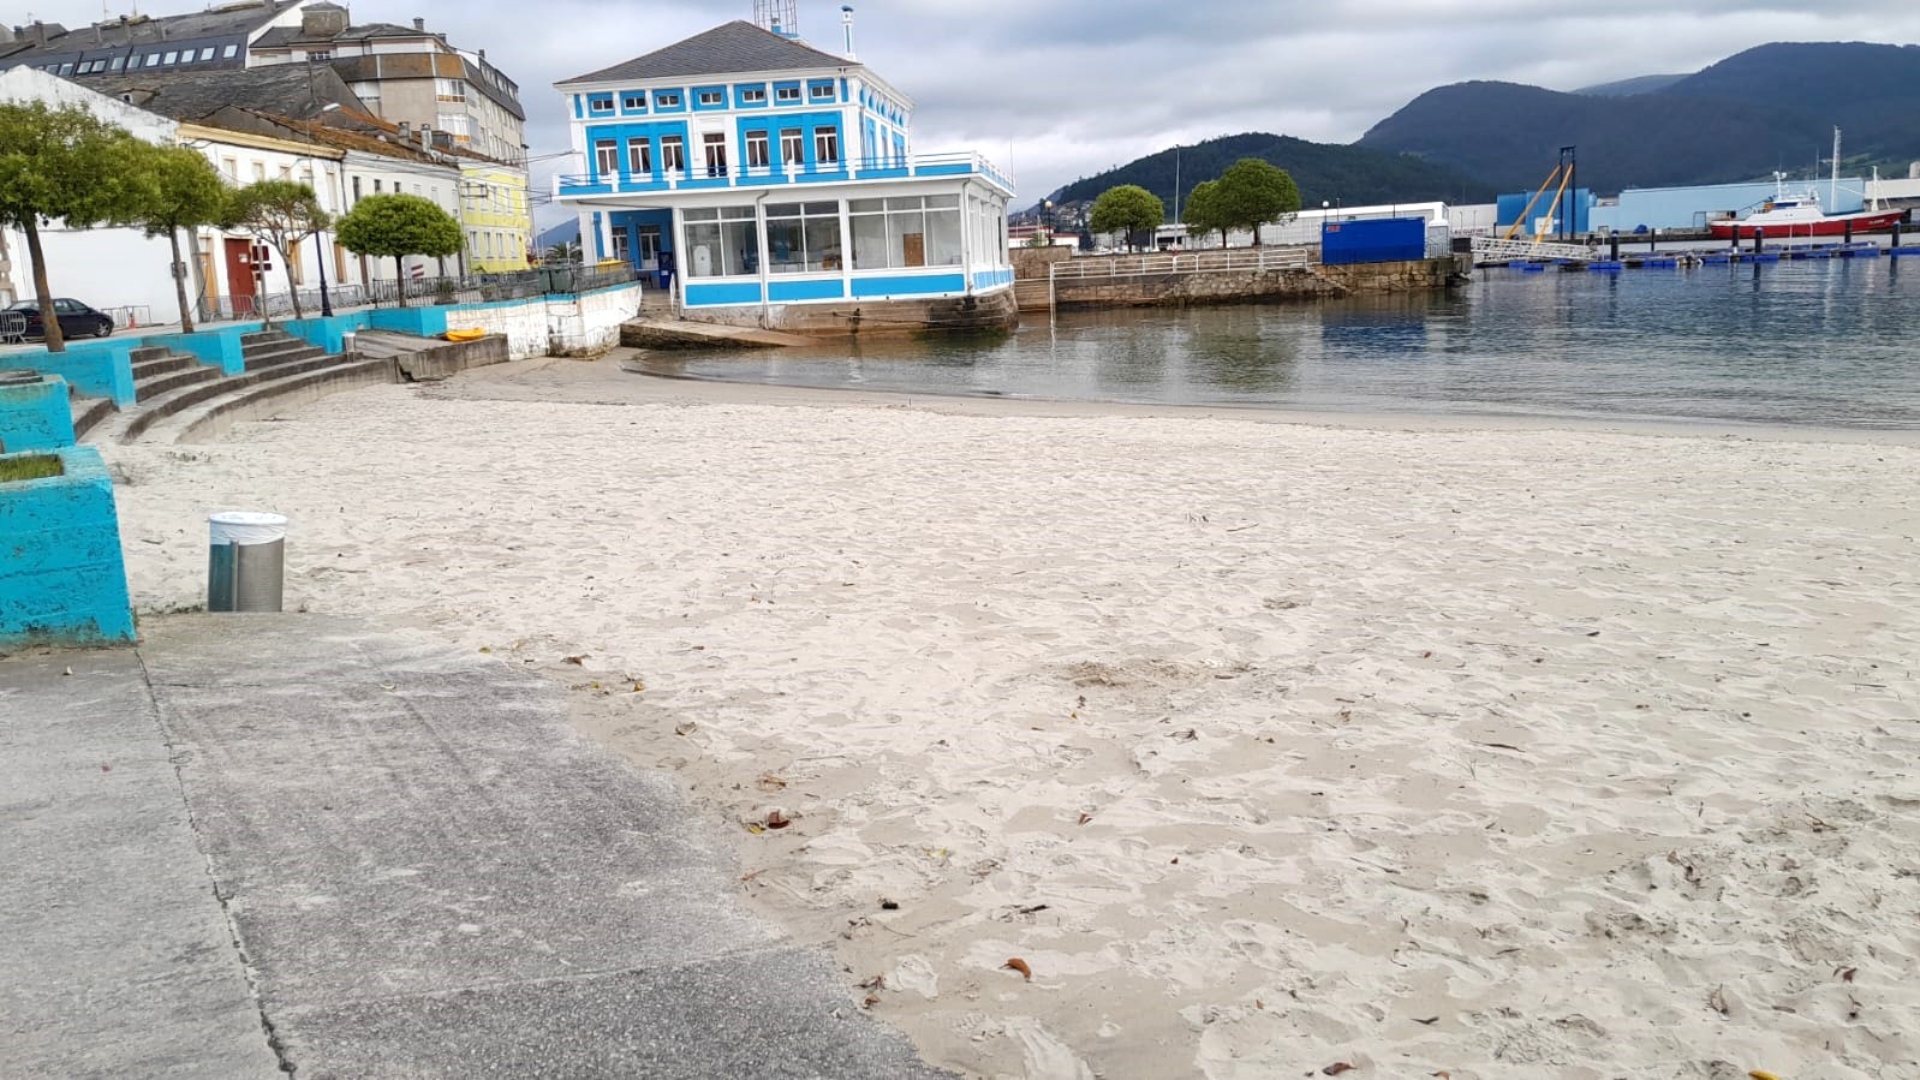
(1793, 342)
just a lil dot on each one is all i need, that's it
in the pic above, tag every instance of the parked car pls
(77, 320)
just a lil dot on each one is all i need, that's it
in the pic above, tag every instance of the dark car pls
(77, 320)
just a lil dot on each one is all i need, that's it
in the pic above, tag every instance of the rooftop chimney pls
(406, 130)
(846, 28)
(40, 33)
(419, 23)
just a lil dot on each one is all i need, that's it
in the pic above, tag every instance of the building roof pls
(734, 48)
(296, 90)
(281, 37)
(230, 19)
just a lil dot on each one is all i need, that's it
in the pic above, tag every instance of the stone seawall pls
(1246, 286)
(985, 312)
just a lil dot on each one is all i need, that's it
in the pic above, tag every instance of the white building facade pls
(767, 182)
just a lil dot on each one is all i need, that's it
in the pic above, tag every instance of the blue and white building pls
(780, 185)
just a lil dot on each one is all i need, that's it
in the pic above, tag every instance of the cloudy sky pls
(1067, 88)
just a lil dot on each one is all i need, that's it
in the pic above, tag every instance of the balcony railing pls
(706, 177)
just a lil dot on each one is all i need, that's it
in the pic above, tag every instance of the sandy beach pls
(1460, 750)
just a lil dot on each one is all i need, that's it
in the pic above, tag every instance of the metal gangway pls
(1488, 249)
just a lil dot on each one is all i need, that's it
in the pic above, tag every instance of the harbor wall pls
(1250, 286)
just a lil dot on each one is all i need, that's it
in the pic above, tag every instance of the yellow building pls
(496, 214)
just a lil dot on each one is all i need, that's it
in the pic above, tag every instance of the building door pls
(240, 287)
(649, 247)
(913, 249)
(622, 243)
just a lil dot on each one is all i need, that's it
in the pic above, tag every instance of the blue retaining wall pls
(62, 578)
(35, 416)
(218, 347)
(97, 368)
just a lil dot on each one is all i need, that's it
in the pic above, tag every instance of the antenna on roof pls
(778, 16)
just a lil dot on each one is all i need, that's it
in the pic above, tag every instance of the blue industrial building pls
(1642, 210)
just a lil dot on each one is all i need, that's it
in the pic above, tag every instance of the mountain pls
(1351, 175)
(1770, 107)
(1640, 84)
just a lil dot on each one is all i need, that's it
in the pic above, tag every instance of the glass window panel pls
(870, 241)
(941, 202)
(823, 243)
(906, 238)
(866, 206)
(783, 210)
(823, 209)
(737, 212)
(786, 246)
(943, 237)
(702, 215)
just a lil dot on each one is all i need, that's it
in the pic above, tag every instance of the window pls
(376, 185)
(634, 102)
(231, 168)
(600, 105)
(822, 91)
(116, 64)
(753, 95)
(206, 53)
(826, 145)
(622, 241)
(673, 153)
(905, 232)
(458, 125)
(713, 97)
(67, 68)
(259, 170)
(757, 157)
(286, 172)
(639, 157)
(229, 52)
(456, 90)
(803, 238)
(171, 57)
(787, 95)
(356, 189)
(606, 157)
(721, 242)
(152, 59)
(713, 147)
(666, 99)
(793, 147)
(322, 54)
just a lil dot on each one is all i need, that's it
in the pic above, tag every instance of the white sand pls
(1262, 745)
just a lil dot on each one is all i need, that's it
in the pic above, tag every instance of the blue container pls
(1373, 240)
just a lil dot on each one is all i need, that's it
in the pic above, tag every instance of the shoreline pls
(1259, 744)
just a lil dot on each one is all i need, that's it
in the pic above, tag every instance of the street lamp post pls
(319, 244)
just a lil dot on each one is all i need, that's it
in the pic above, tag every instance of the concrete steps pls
(88, 414)
(178, 397)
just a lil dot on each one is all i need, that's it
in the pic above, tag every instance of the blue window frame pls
(750, 95)
(599, 104)
(786, 93)
(709, 97)
(633, 101)
(821, 90)
(667, 101)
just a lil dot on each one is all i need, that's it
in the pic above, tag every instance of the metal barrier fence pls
(474, 289)
(1195, 262)
(132, 316)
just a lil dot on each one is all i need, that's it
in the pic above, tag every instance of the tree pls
(398, 226)
(186, 193)
(1253, 192)
(1203, 211)
(1129, 209)
(64, 164)
(564, 252)
(282, 213)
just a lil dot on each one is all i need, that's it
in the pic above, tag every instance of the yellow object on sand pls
(465, 335)
(1762, 1074)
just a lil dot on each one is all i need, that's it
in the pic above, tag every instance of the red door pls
(240, 276)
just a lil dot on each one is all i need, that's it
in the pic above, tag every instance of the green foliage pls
(1351, 174)
(1126, 209)
(283, 213)
(65, 164)
(399, 225)
(186, 190)
(30, 467)
(1204, 212)
(1253, 192)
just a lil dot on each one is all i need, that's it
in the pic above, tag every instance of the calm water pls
(1833, 343)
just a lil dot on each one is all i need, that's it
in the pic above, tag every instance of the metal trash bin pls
(246, 561)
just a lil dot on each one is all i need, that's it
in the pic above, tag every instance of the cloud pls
(1069, 88)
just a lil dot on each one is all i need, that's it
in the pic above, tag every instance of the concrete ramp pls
(681, 334)
(426, 873)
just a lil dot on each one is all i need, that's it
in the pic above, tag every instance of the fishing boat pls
(1785, 216)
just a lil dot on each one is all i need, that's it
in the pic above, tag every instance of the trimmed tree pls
(1254, 192)
(1128, 209)
(282, 213)
(1203, 211)
(397, 226)
(187, 193)
(65, 164)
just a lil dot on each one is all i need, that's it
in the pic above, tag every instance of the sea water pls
(1825, 343)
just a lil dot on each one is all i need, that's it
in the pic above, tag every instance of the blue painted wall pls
(63, 580)
(36, 416)
(1372, 240)
(97, 368)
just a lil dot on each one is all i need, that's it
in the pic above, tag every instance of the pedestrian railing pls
(1238, 260)
(1495, 249)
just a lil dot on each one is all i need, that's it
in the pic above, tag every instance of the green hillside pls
(1350, 175)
